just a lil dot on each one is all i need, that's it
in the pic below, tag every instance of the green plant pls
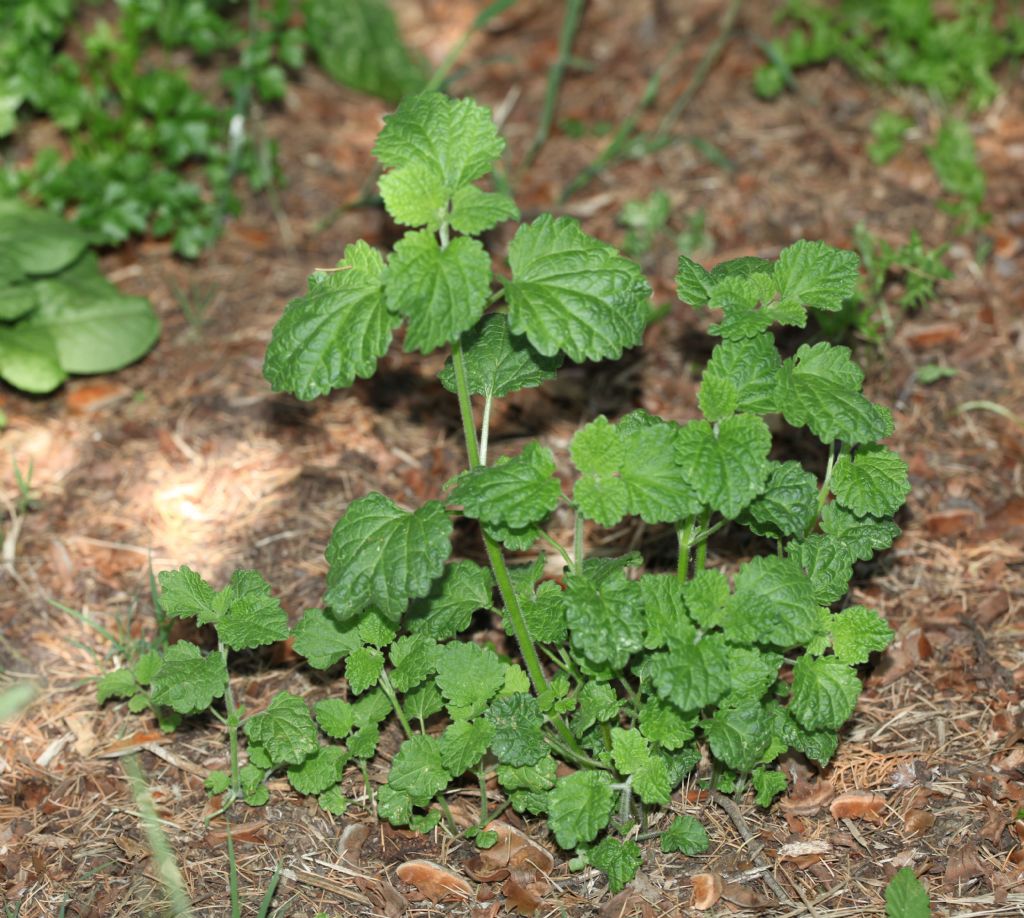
(948, 52)
(887, 132)
(58, 313)
(647, 220)
(906, 897)
(148, 153)
(913, 267)
(623, 675)
(955, 161)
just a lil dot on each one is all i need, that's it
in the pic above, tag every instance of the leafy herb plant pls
(623, 674)
(58, 313)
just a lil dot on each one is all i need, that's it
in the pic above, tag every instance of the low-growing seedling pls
(906, 897)
(623, 677)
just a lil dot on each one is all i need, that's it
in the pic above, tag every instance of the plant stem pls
(494, 555)
(485, 428)
(482, 778)
(578, 548)
(236, 905)
(684, 532)
(555, 545)
(389, 690)
(232, 725)
(702, 543)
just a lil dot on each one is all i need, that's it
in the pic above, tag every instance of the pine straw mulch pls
(188, 458)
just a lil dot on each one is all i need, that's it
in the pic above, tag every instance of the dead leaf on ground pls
(963, 866)
(807, 797)
(350, 846)
(388, 899)
(515, 848)
(917, 822)
(858, 805)
(745, 897)
(251, 832)
(523, 891)
(805, 853)
(995, 823)
(996, 786)
(707, 890)
(434, 882)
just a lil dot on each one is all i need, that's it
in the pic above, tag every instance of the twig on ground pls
(756, 846)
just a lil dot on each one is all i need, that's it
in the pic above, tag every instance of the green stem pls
(497, 561)
(578, 548)
(236, 904)
(496, 8)
(385, 683)
(232, 723)
(702, 543)
(684, 532)
(555, 545)
(485, 428)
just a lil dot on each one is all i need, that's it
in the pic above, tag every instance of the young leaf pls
(318, 772)
(333, 801)
(739, 735)
(442, 292)
(858, 632)
(383, 556)
(184, 594)
(605, 619)
(620, 860)
(862, 535)
(117, 684)
(768, 784)
(815, 274)
(825, 691)
(468, 676)
(188, 682)
(37, 241)
(773, 603)
(417, 770)
(253, 618)
(663, 723)
(727, 467)
(788, 504)
(515, 491)
(656, 492)
(322, 639)
(464, 743)
(694, 675)
(394, 805)
(579, 806)
(448, 608)
(666, 621)
(630, 750)
(906, 897)
(828, 564)
(517, 723)
(545, 614)
(752, 671)
(363, 669)
(335, 717)
(285, 730)
(686, 835)
(475, 211)
(413, 657)
(705, 595)
(693, 282)
(819, 387)
(598, 704)
(336, 332)
(498, 362)
(423, 701)
(873, 481)
(571, 293)
(740, 377)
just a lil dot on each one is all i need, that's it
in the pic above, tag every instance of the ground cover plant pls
(58, 313)
(626, 676)
(142, 150)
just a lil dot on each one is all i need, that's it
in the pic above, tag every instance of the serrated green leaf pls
(727, 469)
(363, 668)
(252, 617)
(620, 860)
(663, 723)
(825, 692)
(117, 684)
(906, 897)
(819, 387)
(372, 708)
(448, 608)
(322, 639)
(513, 538)
(749, 307)
(873, 481)
(630, 750)
(752, 672)
(666, 621)
(285, 730)
(423, 701)
(863, 536)
(787, 506)
(217, 782)
(333, 801)
(517, 723)
(598, 704)
(773, 603)
(375, 630)
(815, 274)
(414, 196)
(579, 807)
(596, 447)
(571, 293)
(336, 332)
(363, 743)
(146, 666)
(442, 292)
(515, 491)
(464, 743)
(538, 777)
(383, 556)
(498, 362)
(425, 822)
(601, 498)
(468, 676)
(188, 682)
(705, 595)
(413, 658)
(184, 594)
(545, 614)
(745, 266)
(475, 211)
(138, 703)
(318, 772)
(605, 619)
(394, 805)
(739, 735)
(858, 632)
(686, 835)
(417, 770)
(768, 784)
(693, 282)
(694, 675)
(335, 717)
(653, 783)
(828, 564)
(740, 377)
(657, 492)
